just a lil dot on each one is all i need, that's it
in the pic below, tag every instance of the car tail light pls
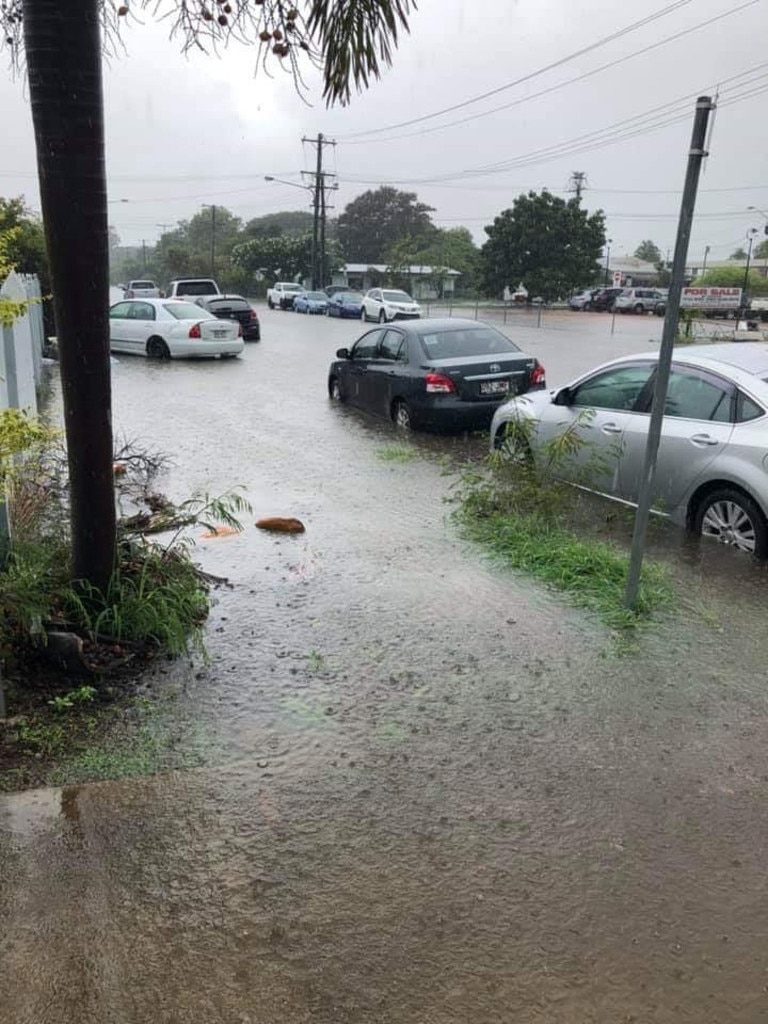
(194, 331)
(239, 330)
(439, 384)
(254, 315)
(538, 374)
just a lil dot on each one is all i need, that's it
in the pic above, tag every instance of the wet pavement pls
(433, 791)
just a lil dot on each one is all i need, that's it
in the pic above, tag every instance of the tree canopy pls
(649, 252)
(376, 220)
(732, 277)
(738, 254)
(284, 222)
(283, 257)
(549, 244)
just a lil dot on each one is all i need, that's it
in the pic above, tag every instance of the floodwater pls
(434, 792)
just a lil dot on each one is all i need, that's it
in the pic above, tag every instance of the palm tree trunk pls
(63, 56)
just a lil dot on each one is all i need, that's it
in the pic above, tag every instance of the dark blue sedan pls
(346, 304)
(449, 375)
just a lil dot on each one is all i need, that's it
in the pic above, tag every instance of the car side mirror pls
(342, 353)
(563, 397)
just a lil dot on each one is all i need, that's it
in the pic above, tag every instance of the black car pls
(444, 374)
(234, 307)
(604, 298)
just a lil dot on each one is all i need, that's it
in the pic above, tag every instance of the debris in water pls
(281, 524)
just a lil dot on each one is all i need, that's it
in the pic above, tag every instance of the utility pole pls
(577, 184)
(696, 155)
(706, 253)
(319, 210)
(750, 238)
(144, 256)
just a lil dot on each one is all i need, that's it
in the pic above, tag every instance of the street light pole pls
(751, 237)
(607, 260)
(704, 265)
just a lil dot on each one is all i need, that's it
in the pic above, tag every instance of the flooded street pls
(431, 791)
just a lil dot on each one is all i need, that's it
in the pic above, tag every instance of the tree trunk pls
(63, 56)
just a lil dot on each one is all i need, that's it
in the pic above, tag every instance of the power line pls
(354, 141)
(534, 74)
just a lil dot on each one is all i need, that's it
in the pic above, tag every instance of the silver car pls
(712, 470)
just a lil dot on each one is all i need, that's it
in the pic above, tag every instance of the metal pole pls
(538, 318)
(213, 242)
(751, 236)
(607, 261)
(696, 154)
(316, 207)
(322, 231)
(704, 266)
(613, 322)
(477, 302)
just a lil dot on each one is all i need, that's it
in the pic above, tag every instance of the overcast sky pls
(186, 130)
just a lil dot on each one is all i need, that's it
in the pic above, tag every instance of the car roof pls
(431, 324)
(746, 358)
(158, 302)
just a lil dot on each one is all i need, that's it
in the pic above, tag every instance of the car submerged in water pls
(442, 374)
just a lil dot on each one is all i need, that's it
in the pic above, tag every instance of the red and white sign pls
(711, 298)
(617, 279)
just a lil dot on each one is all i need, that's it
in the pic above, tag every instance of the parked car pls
(192, 288)
(385, 304)
(171, 329)
(282, 294)
(711, 469)
(311, 302)
(343, 304)
(604, 298)
(581, 300)
(234, 307)
(141, 290)
(445, 374)
(639, 300)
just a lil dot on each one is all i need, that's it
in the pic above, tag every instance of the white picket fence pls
(21, 352)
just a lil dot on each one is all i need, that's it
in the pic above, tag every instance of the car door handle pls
(611, 428)
(703, 440)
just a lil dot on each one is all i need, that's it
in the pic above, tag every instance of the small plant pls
(395, 453)
(82, 695)
(315, 661)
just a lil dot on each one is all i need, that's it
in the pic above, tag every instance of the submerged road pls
(430, 791)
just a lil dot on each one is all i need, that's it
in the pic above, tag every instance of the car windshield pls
(472, 341)
(318, 296)
(292, 288)
(227, 304)
(196, 288)
(187, 311)
(349, 297)
(396, 297)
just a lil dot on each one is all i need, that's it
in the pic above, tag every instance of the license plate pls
(494, 387)
(220, 334)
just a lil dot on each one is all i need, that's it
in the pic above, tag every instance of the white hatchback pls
(384, 304)
(171, 329)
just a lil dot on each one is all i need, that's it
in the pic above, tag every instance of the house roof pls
(383, 268)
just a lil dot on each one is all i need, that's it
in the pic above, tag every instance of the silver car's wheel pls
(363, 316)
(733, 519)
(157, 349)
(382, 317)
(513, 449)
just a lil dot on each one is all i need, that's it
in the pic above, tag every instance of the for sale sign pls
(711, 298)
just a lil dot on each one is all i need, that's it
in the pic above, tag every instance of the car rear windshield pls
(471, 341)
(196, 288)
(292, 288)
(349, 297)
(142, 284)
(318, 296)
(227, 304)
(187, 311)
(396, 297)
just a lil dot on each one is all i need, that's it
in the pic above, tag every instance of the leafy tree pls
(284, 222)
(63, 58)
(761, 251)
(649, 252)
(24, 248)
(281, 257)
(376, 220)
(732, 277)
(738, 254)
(552, 245)
(453, 249)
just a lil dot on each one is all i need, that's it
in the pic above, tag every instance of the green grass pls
(592, 572)
(395, 453)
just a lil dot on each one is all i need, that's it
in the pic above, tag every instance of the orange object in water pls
(281, 524)
(218, 531)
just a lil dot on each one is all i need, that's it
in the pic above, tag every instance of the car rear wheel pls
(363, 315)
(334, 390)
(733, 518)
(157, 349)
(587, 307)
(639, 308)
(270, 303)
(401, 414)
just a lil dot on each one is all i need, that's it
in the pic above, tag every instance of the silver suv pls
(640, 300)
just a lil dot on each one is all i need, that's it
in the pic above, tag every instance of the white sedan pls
(171, 328)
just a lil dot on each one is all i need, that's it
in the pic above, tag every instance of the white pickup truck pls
(192, 288)
(282, 294)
